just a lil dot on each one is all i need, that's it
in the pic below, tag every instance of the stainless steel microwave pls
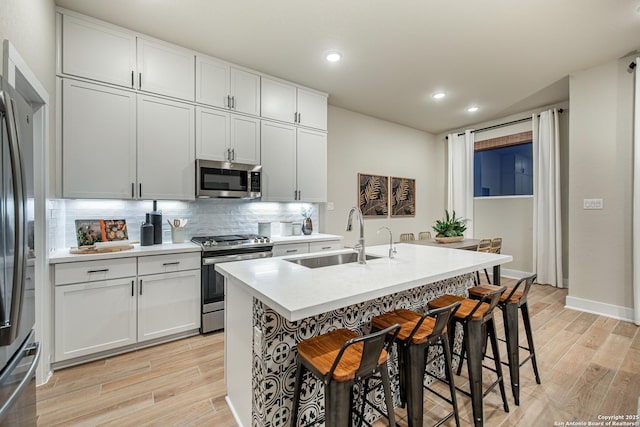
(227, 179)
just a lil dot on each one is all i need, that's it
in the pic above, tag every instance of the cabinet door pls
(168, 304)
(166, 70)
(213, 134)
(312, 165)
(166, 149)
(277, 100)
(278, 157)
(312, 109)
(245, 139)
(245, 90)
(93, 317)
(97, 52)
(212, 82)
(98, 141)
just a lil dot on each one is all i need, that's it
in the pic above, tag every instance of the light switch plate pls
(592, 204)
(330, 206)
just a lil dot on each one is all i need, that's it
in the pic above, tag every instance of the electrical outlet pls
(330, 206)
(592, 204)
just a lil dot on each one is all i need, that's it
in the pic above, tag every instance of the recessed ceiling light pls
(333, 56)
(438, 95)
(472, 109)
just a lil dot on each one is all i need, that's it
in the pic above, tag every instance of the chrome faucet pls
(360, 246)
(392, 250)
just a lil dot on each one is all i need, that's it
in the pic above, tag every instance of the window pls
(503, 166)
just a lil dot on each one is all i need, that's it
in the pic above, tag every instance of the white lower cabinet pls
(168, 303)
(94, 314)
(304, 248)
(94, 317)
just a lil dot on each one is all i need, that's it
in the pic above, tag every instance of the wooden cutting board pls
(93, 250)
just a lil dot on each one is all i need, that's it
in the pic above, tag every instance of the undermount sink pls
(329, 260)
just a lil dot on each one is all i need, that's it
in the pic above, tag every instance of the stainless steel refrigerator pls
(19, 353)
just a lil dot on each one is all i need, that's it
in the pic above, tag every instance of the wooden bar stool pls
(484, 245)
(512, 300)
(476, 318)
(417, 333)
(341, 359)
(407, 236)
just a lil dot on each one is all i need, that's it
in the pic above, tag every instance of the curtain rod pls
(560, 110)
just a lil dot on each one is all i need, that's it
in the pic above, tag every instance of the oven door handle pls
(239, 257)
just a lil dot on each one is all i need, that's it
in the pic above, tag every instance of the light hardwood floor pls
(589, 366)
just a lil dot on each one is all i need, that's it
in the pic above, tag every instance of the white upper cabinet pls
(98, 141)
(312, 109)
(278, 150)
(294, 164)
(166, 149)
(221, 85)
(227, 137)
(213, 82)
(278, 100)
(245, 92)
(97, 52)
(165, 69)
(311, 162)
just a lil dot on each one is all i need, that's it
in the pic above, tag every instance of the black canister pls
(155, 219)
(146, 233)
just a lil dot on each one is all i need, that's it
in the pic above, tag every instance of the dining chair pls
(424, 235)
(484, 245)
(407, 236)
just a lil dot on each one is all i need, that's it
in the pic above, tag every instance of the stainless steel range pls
(218, 249)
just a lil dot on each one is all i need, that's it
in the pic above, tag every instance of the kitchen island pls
(272, 304)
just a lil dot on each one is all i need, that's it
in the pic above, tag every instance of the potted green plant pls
(450, 228)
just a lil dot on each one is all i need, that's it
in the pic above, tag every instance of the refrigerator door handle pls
(9, 332)
(28, 350)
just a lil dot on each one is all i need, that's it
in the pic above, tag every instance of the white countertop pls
(297, 292)
(63, 255)
(318, 237)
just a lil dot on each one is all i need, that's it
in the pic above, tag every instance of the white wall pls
(601, 167)
(512, 217)
(359, 143)
(30, 26)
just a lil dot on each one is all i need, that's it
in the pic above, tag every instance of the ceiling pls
(503, 56)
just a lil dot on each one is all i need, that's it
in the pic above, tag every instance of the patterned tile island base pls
(274, 353)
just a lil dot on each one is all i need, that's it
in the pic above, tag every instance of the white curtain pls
(460, 177)
(547, 231)
(636, 201)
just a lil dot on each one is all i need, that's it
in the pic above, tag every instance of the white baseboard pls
(233, 411)
(600, 308)
(514, 274)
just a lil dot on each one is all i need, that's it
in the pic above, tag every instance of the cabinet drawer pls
(324, 246)
(91, 271)
(168, 263)
(291, 249)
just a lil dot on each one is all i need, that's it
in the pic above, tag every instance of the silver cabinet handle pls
(104, 270)
(140, 81)
(299, 118)
(326, 247)
(133, 189)
(132, 83)
(233, 154)
(228, 101)
(233, 102)
(140, 191)
(140, 286)
(132, 288)
(170, 263)
(290, 251)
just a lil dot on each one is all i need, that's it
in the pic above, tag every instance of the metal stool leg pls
(510, 320)
(416, 361)
(296, 392)
(338, 401)
(384, 374)
(473, 333)
(527, 328)
(491, 329)
(449, 375)
(463, 352)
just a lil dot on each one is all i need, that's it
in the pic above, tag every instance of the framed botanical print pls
(373, 193)
(403, 197)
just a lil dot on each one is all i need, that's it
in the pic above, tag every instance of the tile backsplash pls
(206, 216)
